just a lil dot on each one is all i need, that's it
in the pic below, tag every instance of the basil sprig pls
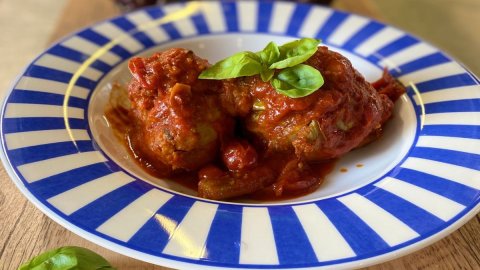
(65, 258)
(297, 81)
(292, 78)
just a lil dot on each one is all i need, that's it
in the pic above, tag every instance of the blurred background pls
(27, 27)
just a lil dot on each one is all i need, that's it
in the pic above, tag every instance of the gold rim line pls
(420, 103)
(187, 11)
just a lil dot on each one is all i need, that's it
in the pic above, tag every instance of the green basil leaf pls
(267, 74)
(295, 52)
(299, 47)
(298, 81)
(67, 258)
(288, 90)
(237, 65)
(270, 54)
(302, 77)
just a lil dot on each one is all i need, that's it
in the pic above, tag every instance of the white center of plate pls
(352, 171)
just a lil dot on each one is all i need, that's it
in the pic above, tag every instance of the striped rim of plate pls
(50, 154)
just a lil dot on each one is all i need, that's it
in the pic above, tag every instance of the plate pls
(415, 185)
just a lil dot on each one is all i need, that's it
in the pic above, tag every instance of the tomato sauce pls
(118, 119)
(240, 137)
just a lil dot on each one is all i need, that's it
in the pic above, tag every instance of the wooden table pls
(25, 231)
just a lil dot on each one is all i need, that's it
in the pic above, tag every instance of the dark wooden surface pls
(25, 231)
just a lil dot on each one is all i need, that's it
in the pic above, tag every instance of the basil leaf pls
(270, 54)
(267, 74)
(302, 77)
(237, 65)
(67, 258)
(295, 52)
(298, 81)
(288, 90)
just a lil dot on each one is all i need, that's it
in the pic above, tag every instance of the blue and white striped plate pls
(417, 184)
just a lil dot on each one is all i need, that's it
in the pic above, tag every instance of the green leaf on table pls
(298, 81)
(295, 52)
(238, 65)
(67, 258)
